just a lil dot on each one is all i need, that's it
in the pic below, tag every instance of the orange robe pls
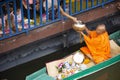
(98, 46)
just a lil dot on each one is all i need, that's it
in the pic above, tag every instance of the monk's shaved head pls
(100, 29)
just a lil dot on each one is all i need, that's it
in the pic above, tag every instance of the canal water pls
(21, 71)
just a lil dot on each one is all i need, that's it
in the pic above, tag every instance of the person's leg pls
(25, 12)
(12, 22)
(85, 50)
(98, 59)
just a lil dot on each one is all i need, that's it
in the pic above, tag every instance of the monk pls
(98, 46)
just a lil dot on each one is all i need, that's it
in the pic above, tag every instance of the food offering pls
(69, 65)
(68, 68)
(79, 26)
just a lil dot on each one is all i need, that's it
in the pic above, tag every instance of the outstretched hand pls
(118, 5)
(75, 19)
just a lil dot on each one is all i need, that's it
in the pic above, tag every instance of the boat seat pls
(116, 37)
(115, 48)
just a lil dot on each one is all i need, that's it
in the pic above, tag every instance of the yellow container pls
(67, 1)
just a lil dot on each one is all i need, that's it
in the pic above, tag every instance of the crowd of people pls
(32, 6)
(9, 20)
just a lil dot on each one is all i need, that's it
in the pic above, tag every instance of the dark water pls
(21, 71)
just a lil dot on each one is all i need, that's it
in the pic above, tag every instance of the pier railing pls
(21, 16)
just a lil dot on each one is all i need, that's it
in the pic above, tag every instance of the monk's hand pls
(82, 33)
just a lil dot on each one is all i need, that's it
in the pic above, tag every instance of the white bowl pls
(78, 57)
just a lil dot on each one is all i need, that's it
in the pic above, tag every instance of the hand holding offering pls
(78, 26)
(75, 19)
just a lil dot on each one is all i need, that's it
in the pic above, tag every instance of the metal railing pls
(19, 16)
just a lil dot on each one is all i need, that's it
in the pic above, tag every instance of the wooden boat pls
(115, 53)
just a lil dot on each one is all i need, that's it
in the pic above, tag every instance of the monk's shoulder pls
(106, 33)
(93, 31)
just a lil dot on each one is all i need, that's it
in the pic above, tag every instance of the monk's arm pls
(87, 30)
(90, 40)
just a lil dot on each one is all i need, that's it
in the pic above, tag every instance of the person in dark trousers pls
(56, 9)
(31, 7)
